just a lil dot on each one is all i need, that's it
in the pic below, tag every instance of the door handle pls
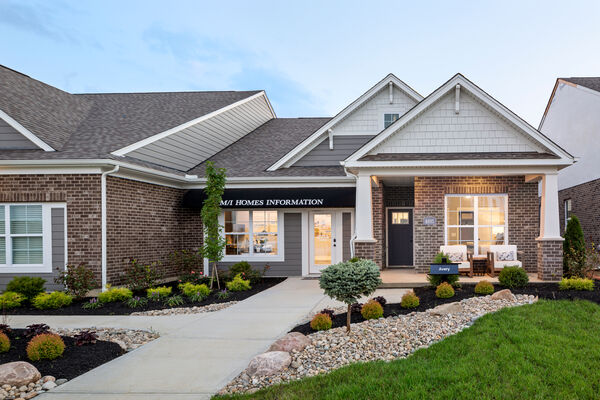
(334, 242)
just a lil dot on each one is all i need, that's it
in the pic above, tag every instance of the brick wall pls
(585, 204)
(523, 213)
(146, 222)
(550, 258)
(365, 250)
(378, 213)
(82, 195)
(399, 196)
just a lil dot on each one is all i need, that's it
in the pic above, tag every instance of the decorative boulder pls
(505, 294)
(290, 342)
(269, 363)
(18, 373)
(448, 308)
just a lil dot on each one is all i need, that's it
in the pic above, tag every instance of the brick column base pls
(550, 259)
(365, 250)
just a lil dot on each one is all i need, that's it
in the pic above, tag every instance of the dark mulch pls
(118, 308)
(75, 361)
(428, 300)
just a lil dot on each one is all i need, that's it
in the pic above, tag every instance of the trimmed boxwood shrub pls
(199, 292)
(321, 322)
(484, 288)
(244, 268)
(372, 310)
(46, 346)
(27, 286)
(10, 300)
(238, 284)
(513, 277)
(444, 291)
(115, 294)
(410, 300)
(45, 301)
(4, 343)
(576, 284)
(160, 292)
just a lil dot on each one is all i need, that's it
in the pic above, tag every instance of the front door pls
(323, 241)
(400, 237)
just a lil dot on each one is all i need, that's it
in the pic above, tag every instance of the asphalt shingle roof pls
(589, 82)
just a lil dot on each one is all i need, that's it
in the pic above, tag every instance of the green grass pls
(548, 350)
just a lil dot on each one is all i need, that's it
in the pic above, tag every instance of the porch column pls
(364, 243)
(549, 243)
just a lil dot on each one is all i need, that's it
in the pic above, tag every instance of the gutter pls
(104, 250)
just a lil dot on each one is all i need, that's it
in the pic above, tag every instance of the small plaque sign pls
(443, 269)
(429, 221)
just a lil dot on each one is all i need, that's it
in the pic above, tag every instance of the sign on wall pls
(429, 221)
(443, 269)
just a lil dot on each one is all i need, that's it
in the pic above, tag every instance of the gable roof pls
(318, 135)
(591, 83)
(357, 157)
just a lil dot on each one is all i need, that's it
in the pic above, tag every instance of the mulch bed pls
(428, 300)
(75, 361)
(118, 308)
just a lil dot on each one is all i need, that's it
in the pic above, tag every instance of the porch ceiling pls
(398, 180)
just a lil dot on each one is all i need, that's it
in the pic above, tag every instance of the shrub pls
(4, 343)
(186, 261)
(441, 258)
(36, 329)
(141, 276)
(409, 300)
(238, 284)
(327, 311)
(348, 281)
(356, 307)
(160, 292)
(46, 346)
(381, 300)
(435, 280)
(198, 291)
(574, 248)
(92, 304)
(576, 284)
(45, 301)
(321, 322)
(512, 277)
(10, 300)
(197, 277)
(223, 294)
(4, 328)
(174, 301)
(115, 294)
(77, 280)
(372, 310)
(444, 291)
(27, 286)
(484, 287)
(136, 302)
(85, 337)
(244, 268)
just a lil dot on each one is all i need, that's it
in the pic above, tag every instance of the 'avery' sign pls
(443, 269)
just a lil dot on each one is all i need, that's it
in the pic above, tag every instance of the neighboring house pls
(101, 178)
(572, 119)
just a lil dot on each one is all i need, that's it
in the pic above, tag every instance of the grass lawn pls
(547, 350)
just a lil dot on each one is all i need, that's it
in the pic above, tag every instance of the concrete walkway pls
(196, 354)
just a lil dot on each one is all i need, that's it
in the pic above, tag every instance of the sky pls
(313, 58)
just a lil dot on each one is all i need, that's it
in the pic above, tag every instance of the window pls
(476, 221)
(251, 233)
(389, 119)
(568, 211)
(400, 218)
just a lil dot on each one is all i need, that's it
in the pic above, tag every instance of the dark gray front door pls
(400, 237)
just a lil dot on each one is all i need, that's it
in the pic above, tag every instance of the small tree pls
(214, 242)
(573, 247)
(347, 281)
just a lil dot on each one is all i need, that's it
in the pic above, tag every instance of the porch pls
(410, 278)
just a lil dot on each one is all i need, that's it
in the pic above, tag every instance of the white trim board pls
(313, 140)
(25, 132)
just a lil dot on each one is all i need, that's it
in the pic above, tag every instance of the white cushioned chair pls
(500, 256)
(458, 254)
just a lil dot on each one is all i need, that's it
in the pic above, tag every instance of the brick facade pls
(585, 204)
(378, 219)
(365, 250)
(550, 259)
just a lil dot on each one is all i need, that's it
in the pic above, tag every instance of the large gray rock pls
(290, 342)
(18, 373)
(269, 363)
(505, 294)
(448, 308)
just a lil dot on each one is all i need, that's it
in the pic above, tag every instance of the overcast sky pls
(312, 58)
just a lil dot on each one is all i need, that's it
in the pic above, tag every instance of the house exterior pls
(102, 178)
(572, 118)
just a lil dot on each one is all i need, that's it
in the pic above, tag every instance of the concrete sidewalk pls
(196, 354)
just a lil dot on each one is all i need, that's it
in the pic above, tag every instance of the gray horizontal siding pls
(292, 241)
(11, 139)
(58, 253)
(343, 146)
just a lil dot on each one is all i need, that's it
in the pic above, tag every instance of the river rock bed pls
(186, 310)
(396, 337)
(128, 339)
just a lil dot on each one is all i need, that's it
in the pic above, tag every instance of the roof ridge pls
(171, 92)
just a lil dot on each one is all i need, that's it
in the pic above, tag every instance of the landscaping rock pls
(18, 373)
(128, 339)
(294, 341)
(61, 381)
(48, 378)
(448, 308)
(269, 363)
(505, 294)
(49, 385)
(186, 310)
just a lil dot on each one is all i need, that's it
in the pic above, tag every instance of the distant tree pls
(574, 251)
(214, 241)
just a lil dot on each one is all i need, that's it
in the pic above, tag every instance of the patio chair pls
(458, 254)
(500, 256)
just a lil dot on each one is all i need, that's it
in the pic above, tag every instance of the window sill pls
(250, 259)
(25, 269)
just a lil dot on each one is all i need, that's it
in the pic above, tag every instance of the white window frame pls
(567, 216)
(386, 113)
(256, 256)
(475, 218)
(46, 265)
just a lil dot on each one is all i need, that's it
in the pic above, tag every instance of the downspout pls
(103, 206)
